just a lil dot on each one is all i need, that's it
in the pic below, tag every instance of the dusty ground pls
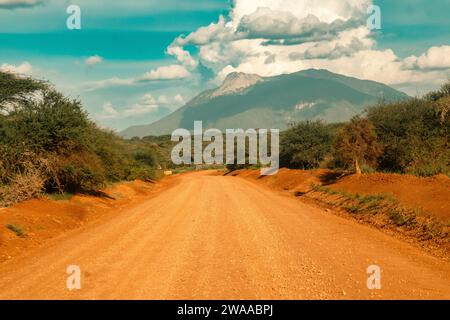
(209, 236)
(43, 219)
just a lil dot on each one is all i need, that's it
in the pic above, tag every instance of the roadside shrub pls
(410, 137)
(82, 172)
(22, 187)
(52, 123)
(306, 145)
(414, 135)
(47, 141)
(145, 157)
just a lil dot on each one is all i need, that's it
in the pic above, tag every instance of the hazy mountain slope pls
(249, 101)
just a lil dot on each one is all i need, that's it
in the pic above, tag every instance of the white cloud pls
(111, 82)
(183, 56)
(434, 58)
(93, 60)
(13, 4)
(179, 99)
(326, 10)
(145, 105)
(24, 69)
(345, 44)
(171, 72)
(220, 31)
(109, 112)
(165, 100)
(268, 36)
(140, 108)
(272, 37)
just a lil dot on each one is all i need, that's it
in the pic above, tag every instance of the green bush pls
(414, 135)
(411, 136)
(306, 145)
(47, 135)
(15, 89)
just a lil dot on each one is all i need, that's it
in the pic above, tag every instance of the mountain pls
(250, 101)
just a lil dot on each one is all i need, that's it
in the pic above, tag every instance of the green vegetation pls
(60, 196)
(306, 145)
(16, 229)
(369, 207)
(414, 134)
(356, 203)
(409, 136)
(357, 143)
(305, 95)
(48, 143)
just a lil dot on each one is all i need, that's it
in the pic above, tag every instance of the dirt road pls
(220, 237)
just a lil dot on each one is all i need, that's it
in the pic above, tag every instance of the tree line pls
(48, 143)
(409, 137)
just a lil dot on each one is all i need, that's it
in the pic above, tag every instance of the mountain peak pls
(236, 82)
(251, 101)
(234, 76)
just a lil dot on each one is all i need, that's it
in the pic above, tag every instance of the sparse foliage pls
(15, 89)
(358, 143)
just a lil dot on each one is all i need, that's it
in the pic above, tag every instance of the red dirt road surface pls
(215, 237)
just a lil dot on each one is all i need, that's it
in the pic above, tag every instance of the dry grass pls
(22, 187)
(411, 221)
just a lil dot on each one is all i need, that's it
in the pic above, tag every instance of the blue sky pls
(135, 61)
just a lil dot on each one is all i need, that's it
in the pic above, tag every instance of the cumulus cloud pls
(285, 26)
(272, 37)
(93, 60)
(345, 44)
(325, 10)
(183, 56)
(14, 4)
(171, 72)
(272, 34)
(434, 58)
(109, 112)
(24, 69)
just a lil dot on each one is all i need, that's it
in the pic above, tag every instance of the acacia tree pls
(17, 89)
(358, 143)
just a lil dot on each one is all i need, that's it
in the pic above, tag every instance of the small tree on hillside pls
(357, 143)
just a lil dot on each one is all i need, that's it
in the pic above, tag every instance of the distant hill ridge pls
(250, 101)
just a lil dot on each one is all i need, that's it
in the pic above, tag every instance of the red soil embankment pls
(285, 179)
(43, 219)
(430, 195)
